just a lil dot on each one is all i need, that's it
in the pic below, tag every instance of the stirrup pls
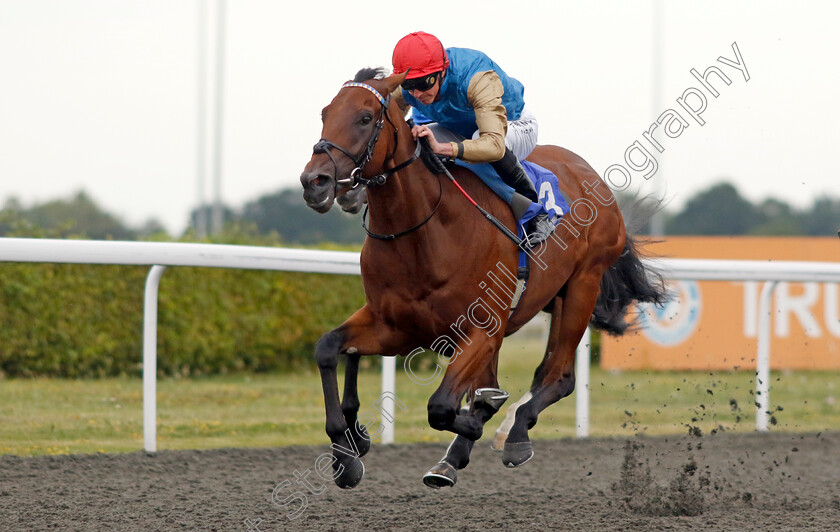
(540, 229)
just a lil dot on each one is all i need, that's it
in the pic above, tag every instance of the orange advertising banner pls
(714, 325)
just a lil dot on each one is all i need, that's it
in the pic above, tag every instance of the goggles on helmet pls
(421, 84)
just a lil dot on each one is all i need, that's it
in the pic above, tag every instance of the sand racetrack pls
(722, 481)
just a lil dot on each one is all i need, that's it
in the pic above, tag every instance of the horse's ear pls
(395, 80)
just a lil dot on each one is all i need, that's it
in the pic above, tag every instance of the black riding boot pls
(539, 228)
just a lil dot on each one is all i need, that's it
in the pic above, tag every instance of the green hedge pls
(86, 320)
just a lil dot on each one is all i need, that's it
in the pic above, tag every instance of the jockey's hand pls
(444, 149)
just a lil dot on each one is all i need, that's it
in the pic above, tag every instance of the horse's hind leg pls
(503, 430)
(555, 376)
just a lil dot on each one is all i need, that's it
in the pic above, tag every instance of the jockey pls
(482, 110)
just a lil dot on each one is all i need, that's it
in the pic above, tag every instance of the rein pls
(393, 236)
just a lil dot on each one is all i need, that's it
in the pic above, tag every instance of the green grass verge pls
(54, 416)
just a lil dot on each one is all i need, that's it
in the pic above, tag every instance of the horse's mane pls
(370, 73)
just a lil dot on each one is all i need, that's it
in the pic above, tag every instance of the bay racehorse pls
(427, 268)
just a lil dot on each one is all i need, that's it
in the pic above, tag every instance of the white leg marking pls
(504, 428)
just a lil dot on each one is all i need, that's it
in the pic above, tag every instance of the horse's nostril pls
(321, 180)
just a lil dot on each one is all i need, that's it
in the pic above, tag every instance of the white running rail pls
(159, 255)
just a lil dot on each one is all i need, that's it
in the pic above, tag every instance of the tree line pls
(282, 216)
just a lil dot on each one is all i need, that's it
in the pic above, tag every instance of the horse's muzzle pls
(318, 191)
(352, 200)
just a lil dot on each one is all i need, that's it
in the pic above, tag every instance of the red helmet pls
(421, 52)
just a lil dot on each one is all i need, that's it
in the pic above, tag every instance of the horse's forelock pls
(370, 73)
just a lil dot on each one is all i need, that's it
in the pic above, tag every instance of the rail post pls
(762, 362)
(150, 311)
(582, 364)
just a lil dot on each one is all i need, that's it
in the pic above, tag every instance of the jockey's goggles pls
(421, 84)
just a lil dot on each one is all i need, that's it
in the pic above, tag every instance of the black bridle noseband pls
(355, 178)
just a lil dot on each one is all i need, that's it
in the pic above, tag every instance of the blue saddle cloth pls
(552, 200)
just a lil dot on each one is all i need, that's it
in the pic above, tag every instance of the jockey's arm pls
(485, 94)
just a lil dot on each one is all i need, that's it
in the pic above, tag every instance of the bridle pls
(355, 178)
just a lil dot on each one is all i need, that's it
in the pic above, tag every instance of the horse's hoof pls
(498, 444)
(351, 475)
(442, 475)
(363, 443)
(492, 398)
(516, 454)
(363, 446)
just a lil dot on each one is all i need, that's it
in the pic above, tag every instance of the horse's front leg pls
(348, 469)
(350, 404)
(485, 403)
(475, 368)
(476, 371)
(359, 335)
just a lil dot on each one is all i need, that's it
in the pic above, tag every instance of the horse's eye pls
(367, 119)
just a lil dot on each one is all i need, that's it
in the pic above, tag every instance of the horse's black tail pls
(626, 281)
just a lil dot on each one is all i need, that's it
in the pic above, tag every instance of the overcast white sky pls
(100, 95)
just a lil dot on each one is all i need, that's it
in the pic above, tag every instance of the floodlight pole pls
(201, 121)
(216, 221)
(657, 226)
